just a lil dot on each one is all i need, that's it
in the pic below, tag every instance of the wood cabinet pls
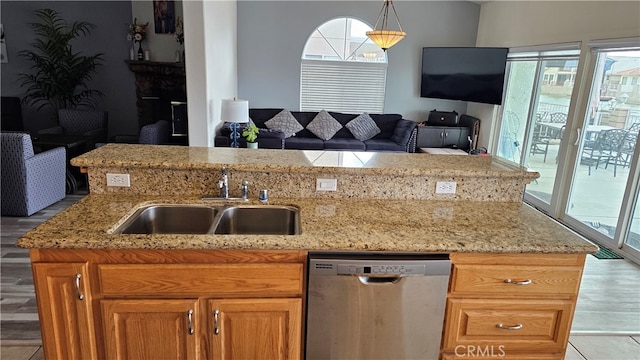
(516, 306)
(65, 310)
(443, 136)
(172, 304)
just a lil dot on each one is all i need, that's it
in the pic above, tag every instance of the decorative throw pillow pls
(363, 127)
(285, 122)
(324, 125)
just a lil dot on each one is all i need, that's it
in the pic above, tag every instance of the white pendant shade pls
(234, 110)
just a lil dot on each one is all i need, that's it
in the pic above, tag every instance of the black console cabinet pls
(450, 136)
(443, 136)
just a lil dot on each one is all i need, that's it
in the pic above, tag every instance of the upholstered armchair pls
(81, 122)
(157, 133)
(30, 182)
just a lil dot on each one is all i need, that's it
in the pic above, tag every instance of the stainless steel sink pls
(201, 219)
(259, 219)
(170, 219)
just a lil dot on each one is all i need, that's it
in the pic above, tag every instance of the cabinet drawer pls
(168, 280)
(515, 280)
(537, 325)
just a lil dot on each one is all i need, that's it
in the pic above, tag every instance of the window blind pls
(342, 86)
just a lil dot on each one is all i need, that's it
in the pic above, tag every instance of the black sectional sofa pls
(396, 134)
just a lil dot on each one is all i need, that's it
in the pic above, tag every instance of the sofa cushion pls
(304, 143)
(285, 122)
(344, 144)
(402, 131)
(363, 127)
(386, 123)
(383, 145)
(324, 125)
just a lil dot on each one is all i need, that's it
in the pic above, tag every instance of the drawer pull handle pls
(190, 322)
(80, 295)
(507, 327)
(216, 329)
(524, 282)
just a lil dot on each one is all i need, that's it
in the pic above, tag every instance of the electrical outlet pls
(118, 180)
(326, 185)
(445, 187)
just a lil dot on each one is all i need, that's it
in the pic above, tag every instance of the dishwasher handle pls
(375, 280)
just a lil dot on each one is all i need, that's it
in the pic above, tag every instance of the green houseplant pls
(251, 134)
(59, 75)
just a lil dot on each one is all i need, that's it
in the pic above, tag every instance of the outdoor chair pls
(622, 157)
(30, 182)
(558, 117)
(541, 140)
(603, 149)
(87, 123)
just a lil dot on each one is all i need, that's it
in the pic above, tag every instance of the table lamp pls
(234, 111)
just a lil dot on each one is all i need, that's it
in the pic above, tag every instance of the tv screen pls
(463, 73)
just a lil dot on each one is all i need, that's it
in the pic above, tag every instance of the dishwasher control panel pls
(361, 267)
(347, 269)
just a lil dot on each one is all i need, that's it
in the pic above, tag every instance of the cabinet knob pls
(216, 329)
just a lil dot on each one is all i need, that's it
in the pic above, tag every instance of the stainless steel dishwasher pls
(385, 306)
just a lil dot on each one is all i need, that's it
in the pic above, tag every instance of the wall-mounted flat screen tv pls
(464, 73)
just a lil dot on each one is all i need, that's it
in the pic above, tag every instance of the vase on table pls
(252, 145)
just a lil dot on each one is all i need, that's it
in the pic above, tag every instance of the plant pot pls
(252, 145)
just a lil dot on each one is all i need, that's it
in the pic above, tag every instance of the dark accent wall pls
(114, 78)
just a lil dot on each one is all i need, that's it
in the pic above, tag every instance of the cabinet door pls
(64, 308)
(255, 328)
(451, 137)
(150, 329)
(430, 136)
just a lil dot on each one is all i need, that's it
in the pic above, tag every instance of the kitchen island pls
(384, 203)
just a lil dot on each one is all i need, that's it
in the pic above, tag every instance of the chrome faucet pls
(224, 184)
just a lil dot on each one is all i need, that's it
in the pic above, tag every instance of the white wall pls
(528, 23)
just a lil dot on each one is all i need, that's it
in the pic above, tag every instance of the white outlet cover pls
(446, 187)
(121, 180)
(326, 185)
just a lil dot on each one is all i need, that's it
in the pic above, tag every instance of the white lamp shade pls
(234, 110)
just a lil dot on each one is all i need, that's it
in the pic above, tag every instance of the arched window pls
(342, 70)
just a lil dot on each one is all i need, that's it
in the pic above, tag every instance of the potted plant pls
(59, 74)
(251, 134)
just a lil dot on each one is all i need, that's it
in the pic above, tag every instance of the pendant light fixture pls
(384, 37)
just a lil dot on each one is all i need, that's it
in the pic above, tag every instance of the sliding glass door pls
(604, 180)
(535, 112)
(588, 165)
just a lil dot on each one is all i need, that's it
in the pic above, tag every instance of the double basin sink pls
(202, 219)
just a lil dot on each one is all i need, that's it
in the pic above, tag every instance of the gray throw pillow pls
(285, 122)
(324, 125)
(363, 127)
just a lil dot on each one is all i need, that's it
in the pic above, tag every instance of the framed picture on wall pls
(164, 15)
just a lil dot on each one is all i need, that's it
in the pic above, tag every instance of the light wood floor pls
(606, 325)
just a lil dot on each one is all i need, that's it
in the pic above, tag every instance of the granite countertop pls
(328, 225)
(304, 161)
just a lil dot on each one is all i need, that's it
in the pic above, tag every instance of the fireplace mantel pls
(157, 85)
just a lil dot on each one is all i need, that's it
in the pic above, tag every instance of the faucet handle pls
(244, 189)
